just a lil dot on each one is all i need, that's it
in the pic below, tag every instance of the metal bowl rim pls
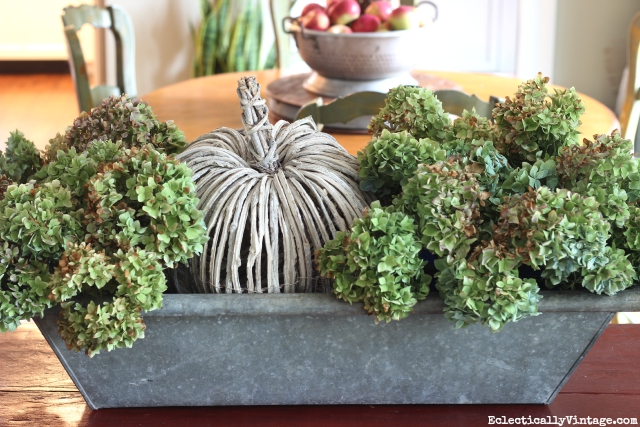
(373, 35)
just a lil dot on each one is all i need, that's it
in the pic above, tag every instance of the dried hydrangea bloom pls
(503, 208)
(127, 119)
(106, 220)
(5, 182)
(535, 121)
(21, 158)
(377, 262)
(413, 109)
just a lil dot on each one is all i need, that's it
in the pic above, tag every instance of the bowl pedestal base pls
(335, 88)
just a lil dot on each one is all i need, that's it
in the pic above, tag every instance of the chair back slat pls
(125, 50)
(86, 14)
(113, 18)
(78, 69)
(455, 102)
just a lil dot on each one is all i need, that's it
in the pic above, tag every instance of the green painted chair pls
(343, 110)
(630, 113)
(118, 21)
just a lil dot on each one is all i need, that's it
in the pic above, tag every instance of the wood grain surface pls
(36, 391)
(200, 105)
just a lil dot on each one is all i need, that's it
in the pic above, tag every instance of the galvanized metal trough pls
(292, 349)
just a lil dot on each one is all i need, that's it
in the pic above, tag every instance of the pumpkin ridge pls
(272, 195)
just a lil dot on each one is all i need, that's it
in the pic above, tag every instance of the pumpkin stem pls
(257, 129)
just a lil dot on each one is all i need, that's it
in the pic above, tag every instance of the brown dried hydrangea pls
(127, 119)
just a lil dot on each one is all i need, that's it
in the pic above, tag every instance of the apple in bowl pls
(343, 12)
(366, 24)
(315, 19)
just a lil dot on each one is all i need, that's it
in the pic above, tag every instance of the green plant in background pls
(230, 38)
(504, 206)
(96, 223)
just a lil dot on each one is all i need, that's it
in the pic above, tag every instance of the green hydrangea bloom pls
(531, 176)
(606, 170)
(559, 230)
(613, 275)
(445, 200)
(24, 287)
(607, 160)
(108, 220)
(474, 293)
(21, 158)
(388, 161)
(490, 168)
(415, 110)
(97, 327)
(55, 145)
(377, 262)
(40, 219)
(535, 121)
(470, 126)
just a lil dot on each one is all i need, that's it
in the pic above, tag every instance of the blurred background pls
(579, 43)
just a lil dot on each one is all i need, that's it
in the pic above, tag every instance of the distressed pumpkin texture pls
(271, 196)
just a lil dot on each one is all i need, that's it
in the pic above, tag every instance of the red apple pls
(344, 11)
(330, 7)
(404, 18)
(366, 24)
(339, 29)
(311, 6)
(381, 9)
(317, 20)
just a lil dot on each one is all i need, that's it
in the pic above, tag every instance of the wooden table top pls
(200, 105)
(35, 390)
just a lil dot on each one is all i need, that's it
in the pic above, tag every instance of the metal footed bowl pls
(360, 56)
